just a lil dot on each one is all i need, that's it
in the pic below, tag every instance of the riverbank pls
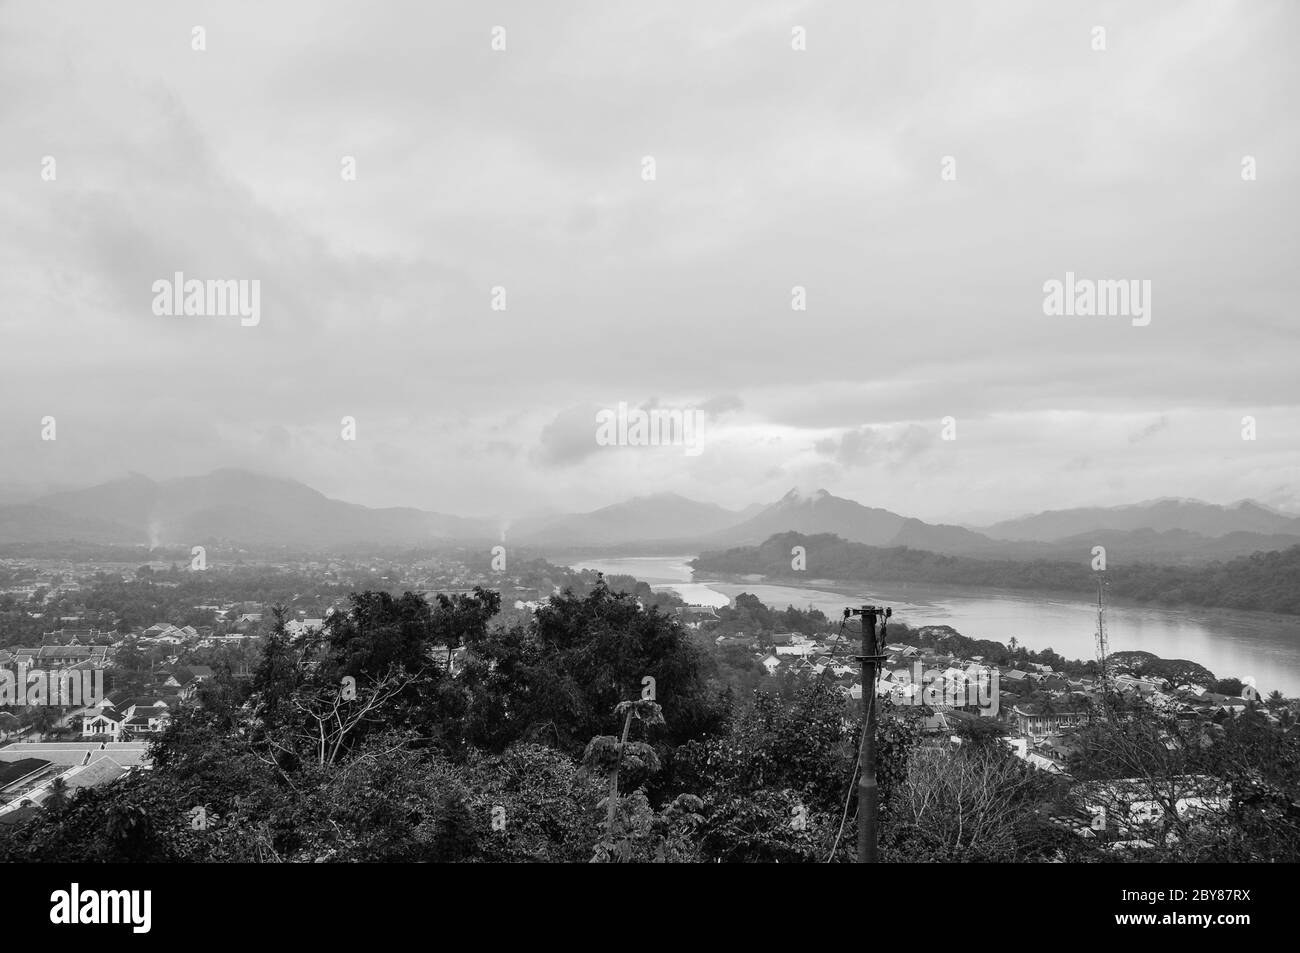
(878, 591)
(1228, 642)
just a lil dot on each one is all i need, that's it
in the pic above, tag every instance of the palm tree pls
(606, 754)
(58, 797)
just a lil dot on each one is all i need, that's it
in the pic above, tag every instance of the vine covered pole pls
(868, 792)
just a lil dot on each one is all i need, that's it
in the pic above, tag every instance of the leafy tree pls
(1229, 686)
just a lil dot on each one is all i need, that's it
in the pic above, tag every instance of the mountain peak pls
(796, 495)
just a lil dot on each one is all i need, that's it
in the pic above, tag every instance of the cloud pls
(892, 447)
(569, 438)
(715, 407)
(276, 439)
(924, 297)
(1150, 430)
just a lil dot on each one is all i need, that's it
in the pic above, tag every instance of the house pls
(103, 770)
(100, 771)
(1020, 746)
(1055, 683)
(1034, 723)
(1016, 681)
(740, 640)
(183, 680)
(177, 679)
(24, 770)
(106, 721)
(130, 716)
(1128, 802)
(148, 714)
(805, 664)
(456, 661)
(1131, 683)
(771, 663)
(299, 627)
(74, 636)
(696, 613)
(823, 662)
(213, 640)
(902, 692)
(59, 656)
(148, 722)
(801, 650)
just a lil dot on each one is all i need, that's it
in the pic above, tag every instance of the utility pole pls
(1103, 639)
(868, 795)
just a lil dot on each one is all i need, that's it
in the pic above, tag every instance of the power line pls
(848, 799)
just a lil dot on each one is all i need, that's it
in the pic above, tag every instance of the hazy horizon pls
(12, 498)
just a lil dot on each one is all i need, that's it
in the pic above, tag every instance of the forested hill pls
(1267, 581)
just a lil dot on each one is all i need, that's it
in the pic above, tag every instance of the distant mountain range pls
(228, 505)
(1128, 532)
(1162, 515)
(657, 518)
(242, 508)
(821, 512)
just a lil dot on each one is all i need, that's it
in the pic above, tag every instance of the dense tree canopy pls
(407, 731)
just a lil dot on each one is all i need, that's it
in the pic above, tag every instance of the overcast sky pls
(774, 167)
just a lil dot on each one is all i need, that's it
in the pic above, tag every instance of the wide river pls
(1227, 642)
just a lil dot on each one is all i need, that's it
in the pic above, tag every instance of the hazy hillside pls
(29, 523)
(231, 505)
(819, 512)
(647, 518)
(1193, 516)
(1265, 581)
(242, 508)
(822, 512)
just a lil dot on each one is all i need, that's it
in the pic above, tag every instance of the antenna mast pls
(1103, 642)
